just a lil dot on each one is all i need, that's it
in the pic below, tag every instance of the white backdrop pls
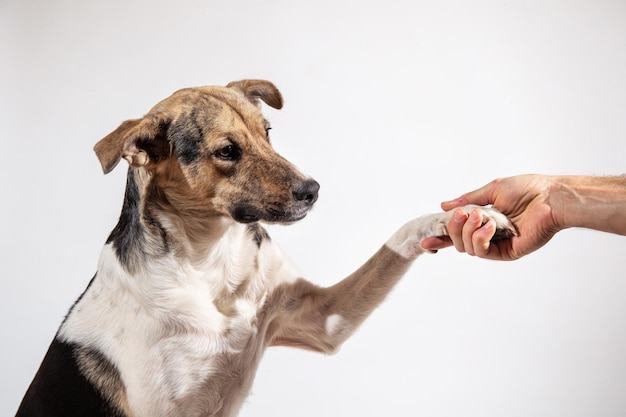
(393, 106)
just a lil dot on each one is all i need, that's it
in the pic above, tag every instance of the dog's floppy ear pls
(259, 89)
(139, 141)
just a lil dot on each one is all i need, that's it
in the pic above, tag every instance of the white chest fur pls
(176, 330)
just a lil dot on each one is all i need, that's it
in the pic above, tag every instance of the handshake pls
(539, 206)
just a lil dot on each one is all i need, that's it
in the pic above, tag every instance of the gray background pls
(393, 106)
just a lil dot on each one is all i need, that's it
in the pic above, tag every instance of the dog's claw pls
(504, 233)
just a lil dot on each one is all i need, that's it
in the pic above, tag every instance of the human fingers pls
(473, 223)
(481, 239)
(455, 229)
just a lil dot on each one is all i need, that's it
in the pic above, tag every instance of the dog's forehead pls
(211, 100)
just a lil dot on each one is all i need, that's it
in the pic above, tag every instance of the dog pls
(190, 289)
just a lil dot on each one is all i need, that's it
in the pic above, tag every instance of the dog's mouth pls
(303, 195)
(246, 212)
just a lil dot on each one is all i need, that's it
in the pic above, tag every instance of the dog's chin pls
(246, 213)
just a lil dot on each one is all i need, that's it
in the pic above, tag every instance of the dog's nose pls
(306, 191)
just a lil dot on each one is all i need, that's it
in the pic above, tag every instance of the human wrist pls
(565, 202)
(590, 202)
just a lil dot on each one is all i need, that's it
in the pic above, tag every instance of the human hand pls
(524, 199)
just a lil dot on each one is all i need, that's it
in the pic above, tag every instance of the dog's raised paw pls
(504, 227)
(407, 240)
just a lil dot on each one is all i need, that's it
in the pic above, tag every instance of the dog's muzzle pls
(303, 195)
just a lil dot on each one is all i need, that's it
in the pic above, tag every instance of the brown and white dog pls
(190, 290)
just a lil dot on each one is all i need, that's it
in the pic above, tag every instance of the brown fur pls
(199, 188)
(186, 298)
(298, 311)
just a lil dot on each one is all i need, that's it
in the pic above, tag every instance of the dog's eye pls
(228, 153)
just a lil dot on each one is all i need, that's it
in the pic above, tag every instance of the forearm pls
(597, 203)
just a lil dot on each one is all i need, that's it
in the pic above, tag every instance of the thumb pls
(435, 243)
(482, 197)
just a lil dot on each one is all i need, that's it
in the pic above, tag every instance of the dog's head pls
(207, 149)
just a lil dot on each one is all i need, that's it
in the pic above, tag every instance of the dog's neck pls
(153, 225)
(157, 251)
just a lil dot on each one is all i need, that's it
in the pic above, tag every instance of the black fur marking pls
(60, 389)
(259, 234)
(187, 135)
(127, 236)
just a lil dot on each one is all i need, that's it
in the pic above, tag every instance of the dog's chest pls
(183, 346)
(203, 372)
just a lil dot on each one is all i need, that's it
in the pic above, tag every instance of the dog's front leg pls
(322, 319)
